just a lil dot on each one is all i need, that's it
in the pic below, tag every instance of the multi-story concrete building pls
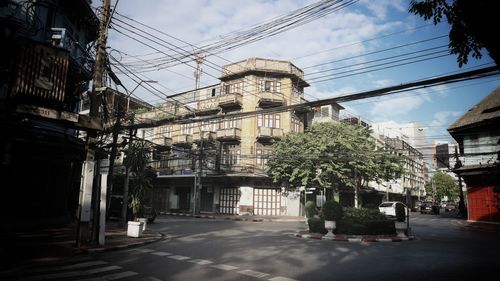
(411, 185)
(45, 69)
(223, 160)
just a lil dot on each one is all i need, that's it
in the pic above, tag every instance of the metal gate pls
(229, 201)
(266, 202)
(207, 199)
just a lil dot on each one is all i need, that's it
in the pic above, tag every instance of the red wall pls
(484, 204)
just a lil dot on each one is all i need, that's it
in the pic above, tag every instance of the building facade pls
(46, 68)
(478, 136)
(223, 160)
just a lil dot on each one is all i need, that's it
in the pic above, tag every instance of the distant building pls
(478, 135)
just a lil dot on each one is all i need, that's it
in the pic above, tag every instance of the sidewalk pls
(54, 243)
(248, 218)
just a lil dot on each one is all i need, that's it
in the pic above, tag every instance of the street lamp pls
(137, 86)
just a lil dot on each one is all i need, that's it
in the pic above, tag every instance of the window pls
(213, 92)
(295, 124)
(166, 131)
(231, 155)
(233, 88)
(210, 126)
(231, 123)
(261, 155)
(269, 120)
(187, 129)
(269, 86)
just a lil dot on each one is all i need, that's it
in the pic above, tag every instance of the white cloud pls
(197, 21)
(380, 8)
(395, 106)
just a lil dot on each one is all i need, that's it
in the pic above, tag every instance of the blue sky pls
(348, 35)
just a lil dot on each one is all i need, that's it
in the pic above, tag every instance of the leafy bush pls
(317, 225)
(310, 209)
(332, 211)
(400, 213)
(364, 221)
(371, 206)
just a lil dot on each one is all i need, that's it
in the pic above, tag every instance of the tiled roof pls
(483, 112)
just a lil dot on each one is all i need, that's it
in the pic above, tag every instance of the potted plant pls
(332, 212)
(400, 223)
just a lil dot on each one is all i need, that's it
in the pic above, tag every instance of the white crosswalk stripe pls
(161, 254)
(79, 270)
(114, 276)
(72, 273)
(252, 273)
(201, 262)
(179, 258)
(225, 267)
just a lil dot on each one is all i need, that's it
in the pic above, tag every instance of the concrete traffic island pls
(353, 238)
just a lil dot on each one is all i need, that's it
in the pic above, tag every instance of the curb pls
(123, 246)
(355, 239)
(241, 218)
(188, 215)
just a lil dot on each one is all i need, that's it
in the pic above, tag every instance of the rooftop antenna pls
(198, 58)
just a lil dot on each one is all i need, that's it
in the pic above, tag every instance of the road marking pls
(161, 254)
(179, 258)
(69, 267)
(115, 276)
(201, 262)
(280, 278)
(148, 279)
(252, 273)
(72, 273)
(225, 267)
(144, 250)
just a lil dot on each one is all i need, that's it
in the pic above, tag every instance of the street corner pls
(122, 241)
(353, 238)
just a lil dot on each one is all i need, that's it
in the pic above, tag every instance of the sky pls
(365, 36)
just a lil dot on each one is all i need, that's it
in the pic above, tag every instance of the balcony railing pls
(183, 140)
(270, 99)
(230, 134)
(208, 106)
(231, 100)
(265, 134)
(162, 141)
(207, 136)
(237, 168)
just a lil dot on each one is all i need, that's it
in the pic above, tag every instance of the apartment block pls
(222, 158)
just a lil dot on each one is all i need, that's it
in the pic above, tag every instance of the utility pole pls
(88, 168)
(461, 203)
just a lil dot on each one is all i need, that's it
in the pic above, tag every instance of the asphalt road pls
(201, 249)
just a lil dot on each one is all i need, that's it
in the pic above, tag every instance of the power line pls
(441, 80)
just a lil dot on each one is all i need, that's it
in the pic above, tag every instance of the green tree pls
(331, 155)
(472, 25)
(138, 156)
(444, 185)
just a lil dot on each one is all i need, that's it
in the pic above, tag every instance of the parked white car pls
(389, 208)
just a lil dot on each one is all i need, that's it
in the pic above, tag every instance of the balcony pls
(265, 135)
(230, 134)
(237, 168)
(271, 99)
(183, 140)
(208, 106)
(163, 141)
(233, 100)
(207, 136)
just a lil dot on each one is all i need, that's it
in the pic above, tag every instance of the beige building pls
(232, 149)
